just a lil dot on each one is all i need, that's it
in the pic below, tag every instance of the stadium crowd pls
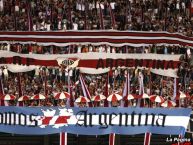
(60, 15)
(140, 15)
(56, 80)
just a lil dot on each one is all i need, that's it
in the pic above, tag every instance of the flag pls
(112, 139)
(63, 138)
(2, 102)
(126, 89)
(112, 38)
(147, 138)
(106, 90)
(20, 103)
(85, 90)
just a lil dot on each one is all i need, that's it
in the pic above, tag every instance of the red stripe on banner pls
(46, 120)
(96, 40)
(100, 33)
(62, 119)
(147, 138)
(100, 63)
(111, 139)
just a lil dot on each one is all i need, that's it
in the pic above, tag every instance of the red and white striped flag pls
(85, 90)
(63, 138)
(112, 139)
(126, 90)
(19, 103)
(147, 138)
(2, 102)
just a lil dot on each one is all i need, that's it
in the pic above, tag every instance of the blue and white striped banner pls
(93, 121)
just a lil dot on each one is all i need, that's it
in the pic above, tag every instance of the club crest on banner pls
(68, 62)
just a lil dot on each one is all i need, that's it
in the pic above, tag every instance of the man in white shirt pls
(5, 72)
(75, 26)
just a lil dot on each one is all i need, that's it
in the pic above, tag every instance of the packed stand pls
(59, 15)
(50, 81)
